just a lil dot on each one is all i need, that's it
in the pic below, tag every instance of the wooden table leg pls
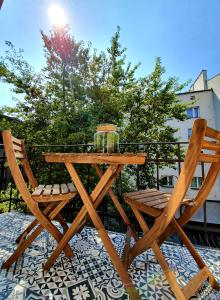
(117, 205)
(106, 180)
(79, 220)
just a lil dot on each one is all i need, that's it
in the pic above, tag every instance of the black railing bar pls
(72, 145)
(12, 199)
(214, 201)
(154, 143)
(179, 159)
(124, 144)
(155, 160)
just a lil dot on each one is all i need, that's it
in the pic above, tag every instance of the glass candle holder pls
(106, 139)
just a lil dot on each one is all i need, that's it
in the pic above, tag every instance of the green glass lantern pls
(106, 139)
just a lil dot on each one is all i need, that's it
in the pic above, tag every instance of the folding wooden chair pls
(163, 208)
(52, 197)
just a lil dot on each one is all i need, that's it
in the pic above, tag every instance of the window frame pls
(193, 114)
(189, 133)
(168, 185)
(198, 180)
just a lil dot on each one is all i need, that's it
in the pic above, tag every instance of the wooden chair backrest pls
(194, 155)
(15, 151)
(212, 158)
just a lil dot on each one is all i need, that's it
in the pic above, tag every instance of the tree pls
(53, 106)
(78, 88)
(109, 90)
(151, 103)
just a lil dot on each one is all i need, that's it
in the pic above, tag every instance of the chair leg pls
(26, 243)
(34, 223)
(171, 278)
(180, 294)
(196, 282)
(160, 258)
(50, 227)
(198, 259)
(127, 258)
(22, 247)
(62, 222)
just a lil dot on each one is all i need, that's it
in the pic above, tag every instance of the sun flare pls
(57, 15)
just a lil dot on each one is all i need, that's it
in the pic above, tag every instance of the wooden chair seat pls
(54, 192)
(151, 201)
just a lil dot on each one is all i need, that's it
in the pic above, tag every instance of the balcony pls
(90, 274)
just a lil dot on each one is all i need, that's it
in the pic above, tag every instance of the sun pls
(57, 15)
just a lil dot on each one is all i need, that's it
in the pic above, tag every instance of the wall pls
(208, 102)
(214, 83)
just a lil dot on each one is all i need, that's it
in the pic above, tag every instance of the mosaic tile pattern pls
(89, 274)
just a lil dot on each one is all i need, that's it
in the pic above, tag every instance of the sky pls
(185, 34)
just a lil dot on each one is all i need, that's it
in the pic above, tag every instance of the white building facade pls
(204, 95)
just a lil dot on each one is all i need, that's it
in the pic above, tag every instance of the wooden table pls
(115, 163)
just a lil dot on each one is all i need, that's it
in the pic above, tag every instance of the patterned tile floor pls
(89, 274)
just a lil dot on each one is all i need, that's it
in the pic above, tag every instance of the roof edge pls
(193, 92)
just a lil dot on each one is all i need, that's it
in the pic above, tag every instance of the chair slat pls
(137, 193)
(17, 148)
(71, 187)
(154, 203)
(47, 190)
(209, 158)
(64, 188)
(56, 189)
(211, 145)
(152, 198)
(38, 190)
(160, 205)
(212, 133)
(16, 141)
(145, 208)
(19, 155)
(151, 195)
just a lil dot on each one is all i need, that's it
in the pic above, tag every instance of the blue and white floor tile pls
(89, 274)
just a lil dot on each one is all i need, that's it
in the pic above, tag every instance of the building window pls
(167, 181)
(196, 182)
(189, 133)
(192, 112)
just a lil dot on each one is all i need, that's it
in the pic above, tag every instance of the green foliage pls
(79, 88)
(10, 192)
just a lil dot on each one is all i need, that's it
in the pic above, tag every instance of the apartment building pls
(204, 96)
